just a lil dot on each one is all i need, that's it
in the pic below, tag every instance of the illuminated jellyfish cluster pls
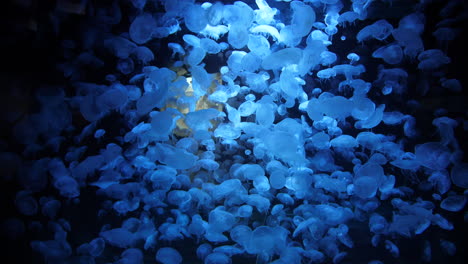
(280, 155)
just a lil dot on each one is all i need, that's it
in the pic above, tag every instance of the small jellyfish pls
(353, 57)
(99, 133)
(125, 66)
(326, 73)
(444, 35)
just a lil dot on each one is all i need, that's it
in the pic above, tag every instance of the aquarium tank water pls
(218, 132)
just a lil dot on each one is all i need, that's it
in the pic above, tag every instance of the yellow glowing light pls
(181, 129)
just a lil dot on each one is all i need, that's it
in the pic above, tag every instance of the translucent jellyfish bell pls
(353, 57)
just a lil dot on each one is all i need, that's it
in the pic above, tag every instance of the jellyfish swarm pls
(245, 132)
